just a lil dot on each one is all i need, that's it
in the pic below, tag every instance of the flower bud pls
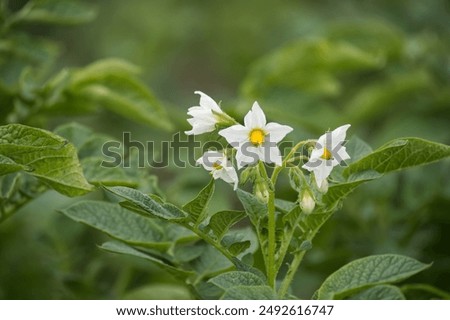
(323, 188)
(307, 202)
(261, 190)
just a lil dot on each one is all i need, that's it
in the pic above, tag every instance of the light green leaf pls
(197, 208)
(8, 166)
(399, 154)
(54, 12)
(222, 221)
(111, 83)
(119, 223)
(122, 248)
(380, 292)
(309, 66)
(148, 204)
(236, 279)
(46, 156)
(375, 100)
(366, 272)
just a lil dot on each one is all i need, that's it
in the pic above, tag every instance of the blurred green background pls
(382, 66)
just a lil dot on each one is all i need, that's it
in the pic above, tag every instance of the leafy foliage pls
(366, 272)
(44, 155)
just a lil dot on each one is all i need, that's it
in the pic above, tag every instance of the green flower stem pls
(270, 266)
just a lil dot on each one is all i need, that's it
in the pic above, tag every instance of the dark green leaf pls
(237, 278)
(197, 208)
(122, 248)
(369, 271)
(119, 223)
(399, 154)
(249, 293)
(380, 292)
(222, 221)
(148, 204)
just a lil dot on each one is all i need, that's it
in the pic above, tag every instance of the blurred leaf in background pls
(381, 66)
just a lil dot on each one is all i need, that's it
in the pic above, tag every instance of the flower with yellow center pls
(220, 167)
(257, 139)
(206, 116)
(328, 153)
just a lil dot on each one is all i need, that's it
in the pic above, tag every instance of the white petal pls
(235, 134)
(209, 158)
(338, 135)
(198, 128)
(207, 102)
(246, 155)
(322, 172)
(317, 152)
(229, 175)
(255, 118)
(275, 156)
(277, 131)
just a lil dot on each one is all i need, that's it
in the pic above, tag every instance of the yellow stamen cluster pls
(217, 166)
(326, 154)
(257, 137)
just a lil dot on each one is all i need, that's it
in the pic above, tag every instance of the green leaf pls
(8, 166)
(357, 149)
(148, 204)
(119, 223)
(166, 291)
(309, 66)
(61, 12)
(74, 132)
(122, 248)
(98, 174)
(235, 279)
(210, 262)
(197, 208)
(112, 84)
(249, 293)
(46, 156)
(254, 208)
(339, 191)
(399, 154)
(369, 271)
(222, 221)
(380, 292)
(423, 291)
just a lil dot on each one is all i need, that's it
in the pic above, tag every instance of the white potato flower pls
(205, 116)
(257, 140)
(328, 153)
(220, 167)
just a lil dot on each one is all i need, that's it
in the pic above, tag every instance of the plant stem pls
(284, 287)
(270, 266)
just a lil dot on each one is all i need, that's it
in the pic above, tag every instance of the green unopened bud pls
(248, 174)
(261, 190)
(296, 178)
(307, 202)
